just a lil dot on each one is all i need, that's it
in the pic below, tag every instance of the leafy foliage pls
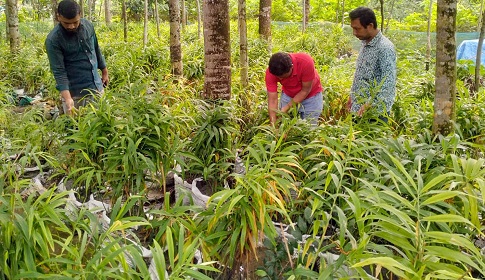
(359, 198)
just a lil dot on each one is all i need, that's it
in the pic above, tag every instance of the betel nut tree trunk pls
(445, 82)
(217, 50)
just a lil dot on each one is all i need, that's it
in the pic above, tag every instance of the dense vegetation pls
(363, 199)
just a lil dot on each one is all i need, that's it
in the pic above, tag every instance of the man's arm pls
(104, 76)
(56, 61)
(299, 97)
(101, 61)
(272, 106)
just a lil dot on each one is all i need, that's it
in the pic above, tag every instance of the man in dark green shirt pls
(75, 57)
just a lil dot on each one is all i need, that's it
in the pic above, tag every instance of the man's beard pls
(71, 32)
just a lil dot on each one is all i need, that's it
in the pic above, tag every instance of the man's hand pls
(362, 109)
(66, 96)
(105, 77)
(287, 107)
(69, 106)
(272, 106)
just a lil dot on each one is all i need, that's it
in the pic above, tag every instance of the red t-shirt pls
(303, 71)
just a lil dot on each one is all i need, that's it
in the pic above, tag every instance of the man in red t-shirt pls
(300, 85)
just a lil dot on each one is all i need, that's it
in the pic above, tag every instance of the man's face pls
(70, 25)
(360, 32)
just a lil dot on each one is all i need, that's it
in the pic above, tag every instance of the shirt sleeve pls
(56, 61)
(388, 80)
(99, 55)
(271, 82)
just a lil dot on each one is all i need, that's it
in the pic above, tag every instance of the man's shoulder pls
(302, 55)
(53, 34)
(384, 42)
(86, 22)
(302, 58)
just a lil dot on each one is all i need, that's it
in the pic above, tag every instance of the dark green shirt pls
(75, 59)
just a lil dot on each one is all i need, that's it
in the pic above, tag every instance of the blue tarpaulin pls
(468, 50)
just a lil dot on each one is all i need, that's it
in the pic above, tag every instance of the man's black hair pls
(280, 63)
(68, 9)
(365, 15)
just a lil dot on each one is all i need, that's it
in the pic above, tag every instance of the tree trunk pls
(382, 15)
(175, 46)
(90, 3)
(81, 6)
(478, 62)
(243, 43)
(337, 7)
(480, 16)
(157, 19)
(445, 83)
(306, 14)
(183, 14)
(428, 35)
(265, 20)
(107, 11)
(199, 19)
(6, 26)
(342, 15)
(217, 50)
(13, 26)
(54, 12)
(125, 21)
(391, 12)
(93, 9)
(145, 25)
(101, 4)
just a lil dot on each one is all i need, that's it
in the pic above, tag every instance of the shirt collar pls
(374, 40)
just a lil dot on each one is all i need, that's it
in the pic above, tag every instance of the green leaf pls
(441, 196)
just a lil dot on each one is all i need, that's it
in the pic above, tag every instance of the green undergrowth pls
(363, 198)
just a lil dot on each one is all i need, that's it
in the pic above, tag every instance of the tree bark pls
(54, 12)
(391, 12)
(382, 15)
(428, 36)
(199, 20)
(243, 43)
(175, 45)
(183, 14)
(145, 25)
(13, 26)
(125, 21)
(343, 13)
(306, 14)
(90, 3)
(445, 82)
(81, 6)
(265, 20)
(478, 62)
(157, 18)
(217, 50)
(107, 11)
